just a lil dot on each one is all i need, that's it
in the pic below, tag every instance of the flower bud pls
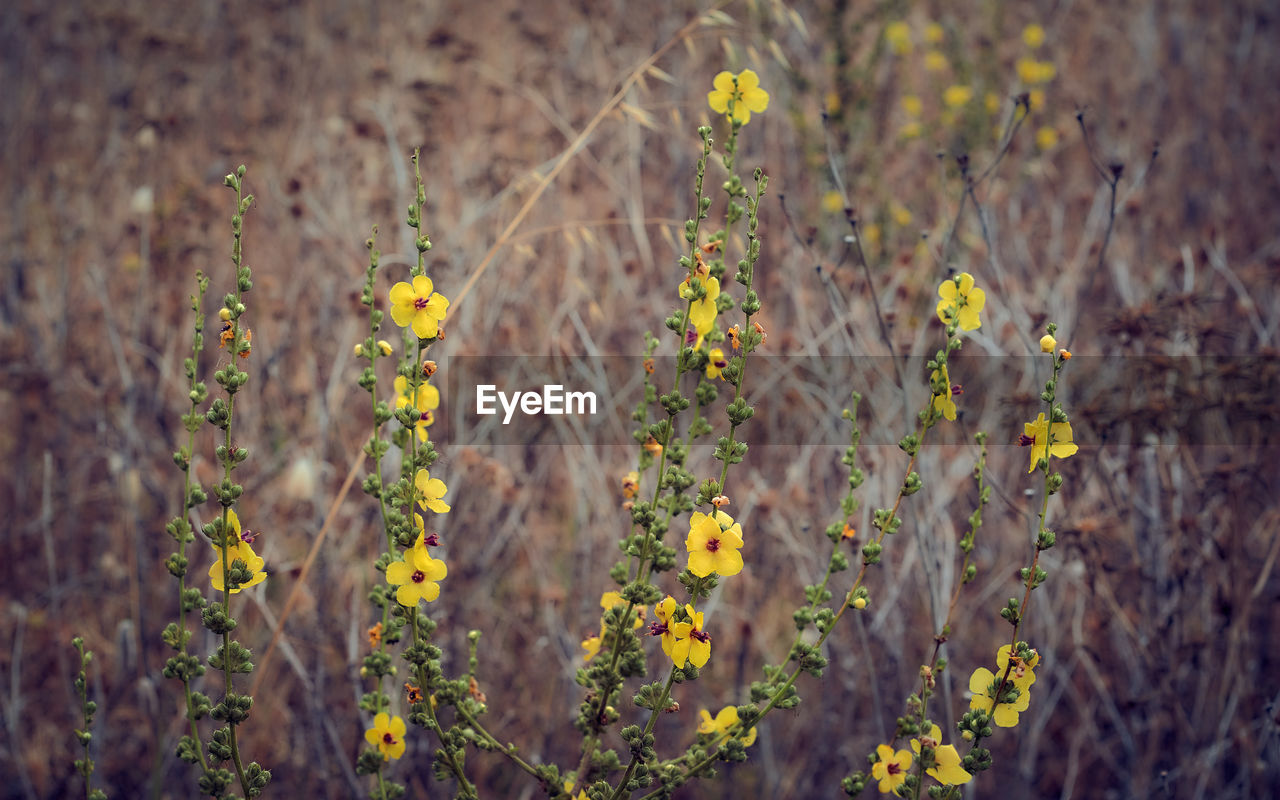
(224, 314)
(384, 347)
(1047, 343)
(358, 351)
(860, 603)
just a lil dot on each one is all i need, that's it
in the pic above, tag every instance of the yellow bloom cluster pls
(417, 573)
(984, 688)
(683, 641)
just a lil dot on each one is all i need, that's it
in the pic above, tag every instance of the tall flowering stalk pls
(236, 566)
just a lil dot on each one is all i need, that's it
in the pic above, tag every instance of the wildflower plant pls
(88, 709)
(682, 544)
(235, 564)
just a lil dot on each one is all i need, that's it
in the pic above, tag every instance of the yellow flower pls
(935, 61)
(428, 399)
(871, 234)
(933, 33)
(1047, 343)
(892, 768)
(242, 551)
(1033, 72)
(664, 626)
(1035, 99)
(419, 306)
(832, 202)
(911, 130)
(961, 302)
(1046, 138)
(726, 719)
(942, 402)
(992, 102)
(912, 105)
(982, 683)
(716, 363)
(568, 787)
(591, 645)
(691, 644)
(901, 215)
(713, 544)
(416, 575)
(430, 491)
(387, 734)
(610, 599)
(946, 767)
(957, 96)
(702, 313)
(898, 35)
(630, 484)
(1039, 434)
(1033, 35)
(742, 91)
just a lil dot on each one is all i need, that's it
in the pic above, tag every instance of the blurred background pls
(1157, 633)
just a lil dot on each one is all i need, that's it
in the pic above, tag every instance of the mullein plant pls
(88, 709)
(712, 356)
(235, 565)
(996, 698)
(713, 346)
(411, 573)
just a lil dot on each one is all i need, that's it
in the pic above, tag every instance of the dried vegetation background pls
(1157, 626)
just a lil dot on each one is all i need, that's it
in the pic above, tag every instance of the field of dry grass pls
(1157, 627)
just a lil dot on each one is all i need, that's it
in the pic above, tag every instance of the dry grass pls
(1156, 625)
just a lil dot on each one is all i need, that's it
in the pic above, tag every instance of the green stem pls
(228, 466)
(465, 789)
(197, 345)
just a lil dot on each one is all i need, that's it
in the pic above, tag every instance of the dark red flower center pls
(431, 540)
(701, 636)
(893, 768)
(419, 303)
(713, 545)
(418, 576)
(658, 628)
(387, 738)
(1025, 440)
